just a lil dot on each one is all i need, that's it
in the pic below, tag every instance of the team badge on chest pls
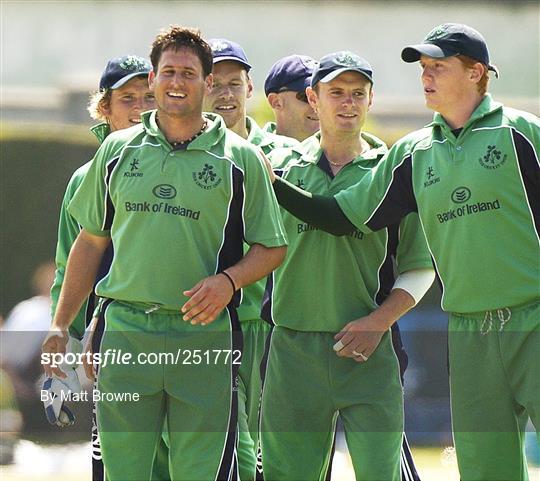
(493, 158)
(207, 178)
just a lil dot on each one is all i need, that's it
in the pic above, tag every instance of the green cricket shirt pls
(266, 141)
(68, 230)
(477, 197)
(327, 281)
(175, 216)
(250, 309)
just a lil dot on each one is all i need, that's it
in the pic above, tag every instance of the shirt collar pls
(270, 127)
(311, 149)
(486, 107)
(256, 135)
(101, 131)
(215, 130)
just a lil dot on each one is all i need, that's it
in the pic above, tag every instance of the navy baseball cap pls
(223, 49)
(449, 40)
(290, 73)
(120, 70)
(334, 64)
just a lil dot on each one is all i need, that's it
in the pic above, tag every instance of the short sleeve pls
(262, 217)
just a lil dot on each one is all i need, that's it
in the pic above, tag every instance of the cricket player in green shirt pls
(122, 96)
(177, 196)
(473, 177)
(351, 294)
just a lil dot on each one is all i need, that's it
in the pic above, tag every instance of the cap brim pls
(127, 78)
(335, 73)
(414, 52)
(233, 59)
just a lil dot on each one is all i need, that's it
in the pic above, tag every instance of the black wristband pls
(230, 280)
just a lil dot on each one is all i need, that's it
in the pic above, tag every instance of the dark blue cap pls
(449, 40)
(290, 73)
(334, 64)
(120, 70)
(223, 49)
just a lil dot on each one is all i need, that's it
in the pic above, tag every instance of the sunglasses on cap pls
(299, 95)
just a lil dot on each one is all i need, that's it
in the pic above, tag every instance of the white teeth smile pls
(225, 107)
(348, 115)
(176, 95)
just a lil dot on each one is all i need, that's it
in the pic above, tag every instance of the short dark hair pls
(176, 37)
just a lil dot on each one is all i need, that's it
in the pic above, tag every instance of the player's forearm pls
(397, 304)
(68, 229)
(56, 288)
(81, 270)
(258, 262)
(317, 210)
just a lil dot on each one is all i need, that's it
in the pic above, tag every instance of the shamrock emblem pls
(132, 63)
(218, 47)
(207, 174)
(436, 33)
(348, 59)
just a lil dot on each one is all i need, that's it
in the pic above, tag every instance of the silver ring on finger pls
(360, 355)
